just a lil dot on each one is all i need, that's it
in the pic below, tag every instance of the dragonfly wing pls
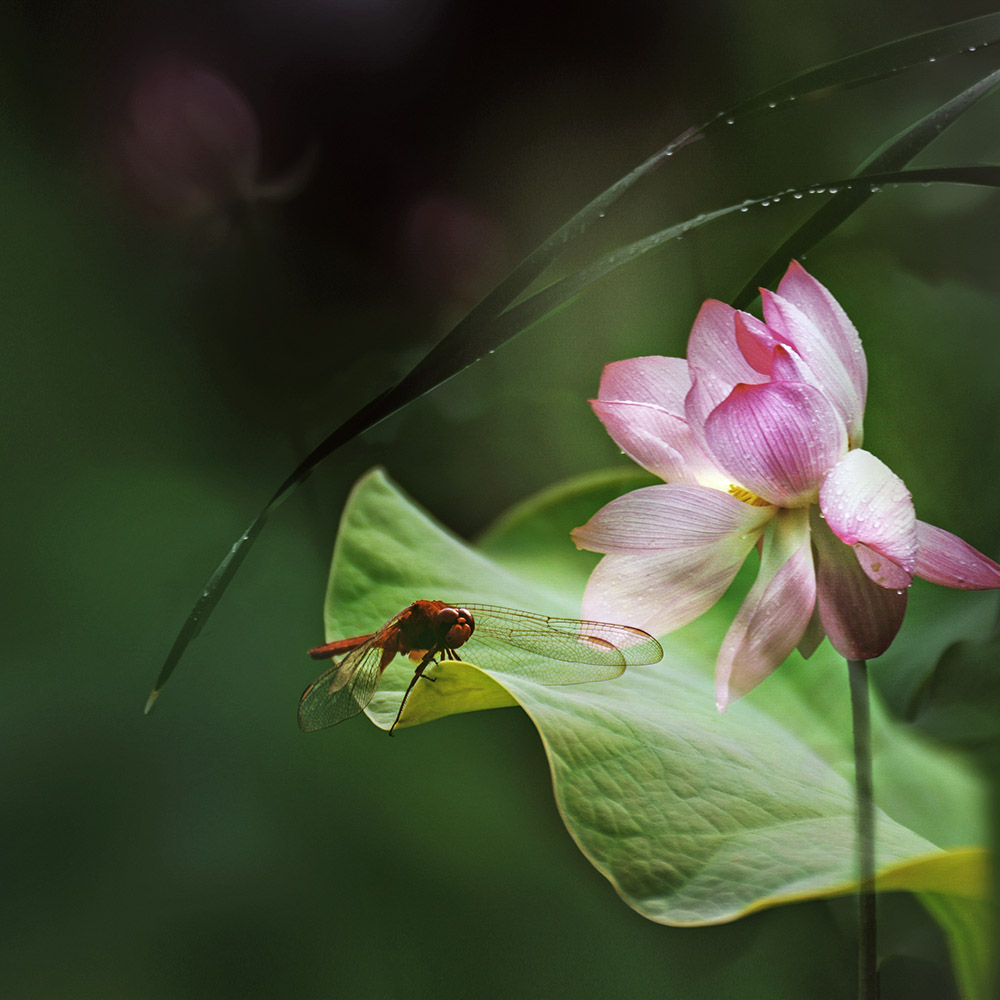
(570, 651)
(342, 691)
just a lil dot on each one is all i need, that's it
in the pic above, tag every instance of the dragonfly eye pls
(447, 616)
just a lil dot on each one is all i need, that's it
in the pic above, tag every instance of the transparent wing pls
(344, 690)
(576, 651)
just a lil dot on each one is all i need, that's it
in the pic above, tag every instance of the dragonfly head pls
(457, 625)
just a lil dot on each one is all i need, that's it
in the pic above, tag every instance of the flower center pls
(747, 497)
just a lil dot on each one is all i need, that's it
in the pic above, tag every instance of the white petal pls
(672, 552)
(868, 506)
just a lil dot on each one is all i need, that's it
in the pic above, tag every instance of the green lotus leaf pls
(693, 816)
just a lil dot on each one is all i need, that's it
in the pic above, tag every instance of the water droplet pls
(797, 195)
(730, 121)
(932, 59)
(601, 215)
(744, 208)
(670, 152)
(772, 105)
(765, 203)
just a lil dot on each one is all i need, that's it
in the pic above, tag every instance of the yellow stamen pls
(747, 497)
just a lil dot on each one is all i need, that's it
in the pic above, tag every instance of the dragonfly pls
(572, 652)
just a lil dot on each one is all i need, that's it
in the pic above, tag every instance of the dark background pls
(169, 357)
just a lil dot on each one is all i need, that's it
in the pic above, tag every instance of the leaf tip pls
(151, 700)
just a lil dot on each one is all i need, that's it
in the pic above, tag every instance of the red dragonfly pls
(577, 651)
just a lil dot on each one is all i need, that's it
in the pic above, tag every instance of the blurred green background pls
(165, 368)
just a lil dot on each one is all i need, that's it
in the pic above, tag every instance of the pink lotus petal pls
(673, 552)
(814, 300)
(656, 440)
(819, 358)
(775, 614)
(756, 341)
(812, 637)
(658, 592)
(945, 559)
(716, 362)
(860, 617)
(777, 440)
(676, 517)
(659, 381)
(880, 569)
(868, 506)
(787, 365)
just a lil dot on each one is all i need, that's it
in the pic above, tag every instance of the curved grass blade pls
(545, 302)
(893, 155)
(488, 325)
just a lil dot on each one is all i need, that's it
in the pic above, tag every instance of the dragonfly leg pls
(428, 658)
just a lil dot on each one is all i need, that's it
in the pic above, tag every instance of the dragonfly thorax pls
(434, 625)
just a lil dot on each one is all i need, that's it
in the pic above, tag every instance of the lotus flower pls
(757, 436)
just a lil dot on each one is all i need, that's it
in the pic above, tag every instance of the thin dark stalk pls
(864, 791)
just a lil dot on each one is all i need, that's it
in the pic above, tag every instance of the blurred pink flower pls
(758, 437)
(191, 144)
(452, 248)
